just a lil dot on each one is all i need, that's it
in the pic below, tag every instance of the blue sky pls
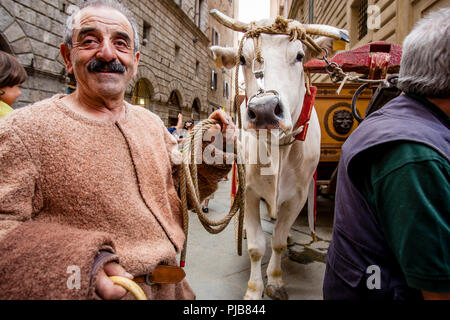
(251, 10)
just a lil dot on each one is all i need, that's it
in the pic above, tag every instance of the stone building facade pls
(174, 71)
(394, 20)
(221, 88)
(397, 17)
(279, 8)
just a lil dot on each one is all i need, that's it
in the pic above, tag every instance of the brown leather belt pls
(162, 274)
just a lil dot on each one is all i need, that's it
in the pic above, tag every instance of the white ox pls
(286, 189)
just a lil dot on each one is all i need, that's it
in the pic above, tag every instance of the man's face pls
(10, 94)
(102, 58)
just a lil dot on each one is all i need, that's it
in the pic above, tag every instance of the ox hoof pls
(290, 241)
(253, 297)
(276, 293)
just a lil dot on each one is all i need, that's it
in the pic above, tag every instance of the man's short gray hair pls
(68, 31)
(425, 64)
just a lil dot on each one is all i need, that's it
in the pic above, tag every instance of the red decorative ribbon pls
(305, 115)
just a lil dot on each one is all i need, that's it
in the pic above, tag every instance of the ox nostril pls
(251, 115)
(278, 111)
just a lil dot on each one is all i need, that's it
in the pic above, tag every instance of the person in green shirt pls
(406, 185)
(391, 230)
(12, 75)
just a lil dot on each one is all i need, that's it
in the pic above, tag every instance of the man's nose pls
(265, 112)
(107, 51)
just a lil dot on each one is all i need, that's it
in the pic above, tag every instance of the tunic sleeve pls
(38, 260)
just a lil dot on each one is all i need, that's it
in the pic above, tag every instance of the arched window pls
(4, 46)
(196, 110)
(174, 106)
(142, 93)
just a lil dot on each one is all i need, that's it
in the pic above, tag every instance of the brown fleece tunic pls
(71, 186)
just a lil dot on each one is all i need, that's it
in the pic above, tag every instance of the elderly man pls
(88, 181)
(391, 236)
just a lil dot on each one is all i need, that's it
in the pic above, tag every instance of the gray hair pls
(425, 64)
(68, 31)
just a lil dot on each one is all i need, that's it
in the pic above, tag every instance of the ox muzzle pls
(265, 111)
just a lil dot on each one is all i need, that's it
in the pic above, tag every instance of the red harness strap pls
(234, 182)
(305, 115)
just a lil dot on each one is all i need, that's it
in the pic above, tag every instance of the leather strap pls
(162, 274)
(305, 115)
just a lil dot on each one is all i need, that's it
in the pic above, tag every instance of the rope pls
(189, 189)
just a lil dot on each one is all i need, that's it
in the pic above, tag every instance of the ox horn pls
(229, 22)
(324, 30)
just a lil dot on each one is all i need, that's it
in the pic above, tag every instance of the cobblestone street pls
(216, 272)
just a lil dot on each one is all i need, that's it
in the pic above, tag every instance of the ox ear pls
(323, 42)
(224, 57)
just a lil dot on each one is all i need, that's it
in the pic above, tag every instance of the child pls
(12, 75)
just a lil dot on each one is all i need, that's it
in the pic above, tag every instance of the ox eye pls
(300, 57)
(242, 60)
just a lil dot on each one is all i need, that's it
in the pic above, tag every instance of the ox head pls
(284, 79)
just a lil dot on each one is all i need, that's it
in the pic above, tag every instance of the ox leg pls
(286, 217)
(256, 244)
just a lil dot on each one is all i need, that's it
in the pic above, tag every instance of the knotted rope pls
(189, 189)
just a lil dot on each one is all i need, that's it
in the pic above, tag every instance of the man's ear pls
(65, 54)
(323, 42)
(224, 57)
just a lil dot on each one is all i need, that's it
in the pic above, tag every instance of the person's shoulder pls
(388, 158)
(172, 130)
(400, 153)
(29, 116)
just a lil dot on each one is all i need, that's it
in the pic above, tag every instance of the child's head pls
(188, 125)
(12, 75)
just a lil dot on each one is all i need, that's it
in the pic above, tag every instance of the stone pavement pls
(216, 272)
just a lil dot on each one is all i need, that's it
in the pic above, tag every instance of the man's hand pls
(228, 128)
(105, 288)
(180, 121)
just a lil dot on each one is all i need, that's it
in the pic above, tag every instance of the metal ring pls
(354, 99)
(332, 64)
(147, 280)
(260, 70)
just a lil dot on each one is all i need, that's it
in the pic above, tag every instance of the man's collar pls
(433, 108)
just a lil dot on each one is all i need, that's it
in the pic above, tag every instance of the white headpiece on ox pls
(283, 70)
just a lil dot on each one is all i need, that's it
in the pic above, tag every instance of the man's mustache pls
(104, 66)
